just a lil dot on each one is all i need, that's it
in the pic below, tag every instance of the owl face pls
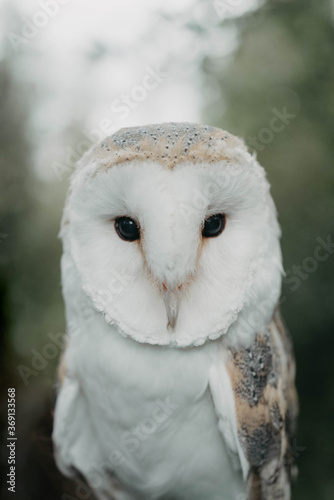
(172, 238)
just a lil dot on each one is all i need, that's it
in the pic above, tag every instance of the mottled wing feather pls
(290, 373)
(262, 378)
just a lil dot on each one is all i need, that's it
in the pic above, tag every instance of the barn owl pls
(177, 379)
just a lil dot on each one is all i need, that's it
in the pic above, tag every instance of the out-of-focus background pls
(73, 71)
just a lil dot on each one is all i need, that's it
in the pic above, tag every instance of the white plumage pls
(150, 403)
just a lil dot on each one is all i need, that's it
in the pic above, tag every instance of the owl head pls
(173, 233)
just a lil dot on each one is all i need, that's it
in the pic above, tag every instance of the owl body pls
(177, 378)
(161, 438)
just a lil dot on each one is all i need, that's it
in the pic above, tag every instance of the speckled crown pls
(167, 143)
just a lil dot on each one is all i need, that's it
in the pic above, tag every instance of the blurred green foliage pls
(31, 302)
(285, 63)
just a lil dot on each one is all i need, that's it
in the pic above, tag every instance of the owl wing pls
(76, 447)
(256, 403)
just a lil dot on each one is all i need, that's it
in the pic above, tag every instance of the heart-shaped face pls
(173, 232)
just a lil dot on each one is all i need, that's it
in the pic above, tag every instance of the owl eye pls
(213, 225)
(127, 228)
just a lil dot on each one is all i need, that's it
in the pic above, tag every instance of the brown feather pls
(262, 378)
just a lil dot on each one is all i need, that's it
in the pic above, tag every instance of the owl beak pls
(172, 298)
